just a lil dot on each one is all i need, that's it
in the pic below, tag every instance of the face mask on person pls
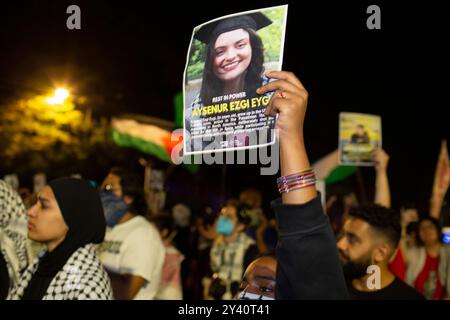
(114, 208)
(224, 226)
(244, 295)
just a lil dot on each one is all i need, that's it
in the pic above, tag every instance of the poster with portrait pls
(226, 61)
(359, 135)
(12, 180)
(39, 182)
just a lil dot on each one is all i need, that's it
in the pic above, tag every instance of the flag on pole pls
(328, 169)
(144, 134)
(147, 138)
(441, 181)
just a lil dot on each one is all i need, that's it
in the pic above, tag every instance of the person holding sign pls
(359, 135)
(308, 263)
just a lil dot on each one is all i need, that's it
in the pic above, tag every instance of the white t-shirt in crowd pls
(135, 247)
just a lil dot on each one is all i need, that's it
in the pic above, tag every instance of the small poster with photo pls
(359, 135)
(12, 180)
(39, 182)
(157, 180)
(226, 63)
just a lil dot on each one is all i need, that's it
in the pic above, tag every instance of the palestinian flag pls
(329, 170)
(441, 181)
(149, 138)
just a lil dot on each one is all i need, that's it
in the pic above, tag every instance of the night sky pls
(130, 57)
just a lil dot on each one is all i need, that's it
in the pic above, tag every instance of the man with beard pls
(370, 238)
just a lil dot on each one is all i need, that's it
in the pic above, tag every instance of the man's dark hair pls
(132, 186)
(217, 288)
(383, 220)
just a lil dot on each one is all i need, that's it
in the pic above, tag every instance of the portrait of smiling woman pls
(227, 61)
(234, 57)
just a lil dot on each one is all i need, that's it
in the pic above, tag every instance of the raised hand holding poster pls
(226, 62)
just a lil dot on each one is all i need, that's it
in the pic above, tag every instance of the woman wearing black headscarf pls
(68, 218)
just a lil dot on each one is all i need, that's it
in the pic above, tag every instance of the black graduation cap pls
(211, 30)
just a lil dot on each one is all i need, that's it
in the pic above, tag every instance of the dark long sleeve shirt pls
(308, 262)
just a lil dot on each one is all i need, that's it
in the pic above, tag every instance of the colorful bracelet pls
(297, 188)
(297, 178)
(294, 183)
(302, 179)
(300, 173)
(303, 184)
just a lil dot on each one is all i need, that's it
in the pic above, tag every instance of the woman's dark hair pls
(409, 205)
(213, 87)
(412, 227)
(132, 186)
(436, 224)
(242, 211)
(164, 222)
(217, 288)
(243, 214)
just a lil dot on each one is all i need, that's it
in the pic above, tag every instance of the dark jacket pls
(308, 263)
(4, 278)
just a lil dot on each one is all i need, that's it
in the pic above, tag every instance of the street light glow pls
(60, 95)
